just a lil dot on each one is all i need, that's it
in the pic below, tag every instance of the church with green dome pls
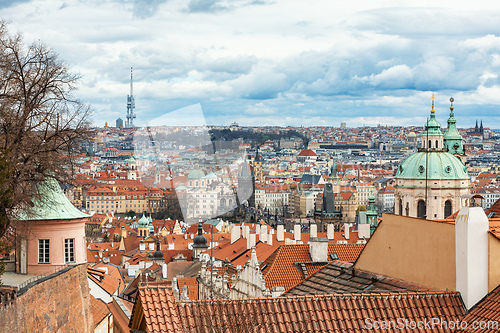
(430, 182)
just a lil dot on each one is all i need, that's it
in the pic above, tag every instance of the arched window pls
(429, 146)
(400, 207)
(407, 209)
(447, 208)
(421, 209)
(437, 145)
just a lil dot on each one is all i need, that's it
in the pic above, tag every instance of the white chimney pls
(257, 228)
(250, 241)
(263, 234)
(246, 231)
(164, 270)
(471, 246)
(330, 231)
(280, 233)
(270, 239)
(364, 230)
(318, 249)
(347, 226)
(314, 231)
(235, 233)
(296, 232)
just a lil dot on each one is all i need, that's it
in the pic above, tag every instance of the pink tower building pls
(51, 234)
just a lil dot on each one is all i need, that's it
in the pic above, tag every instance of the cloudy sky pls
(276, 62)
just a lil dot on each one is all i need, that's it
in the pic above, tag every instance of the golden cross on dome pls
(433, 98)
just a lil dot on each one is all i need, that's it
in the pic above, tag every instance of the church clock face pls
(421, 169)
(456, 146)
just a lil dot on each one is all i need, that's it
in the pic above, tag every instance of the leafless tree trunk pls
(42, 125)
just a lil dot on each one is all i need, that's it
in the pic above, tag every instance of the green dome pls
(432, 127)
(131, 160)
(143, 221)
(441, 165)
(196, 174)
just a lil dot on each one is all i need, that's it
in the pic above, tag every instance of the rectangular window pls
(43, 251)
(69, 250)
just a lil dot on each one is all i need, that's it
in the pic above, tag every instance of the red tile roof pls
(280, 268)
(485, 312)
(325, 313)
(99, 310)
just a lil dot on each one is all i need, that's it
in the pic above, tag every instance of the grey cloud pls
(10, 3)
(423, 23)
(213, 6)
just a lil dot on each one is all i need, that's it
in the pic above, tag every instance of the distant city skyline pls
(259, 62)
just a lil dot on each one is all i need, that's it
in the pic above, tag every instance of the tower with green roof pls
(430, 182)
(452, 139)
(143, 230)
(371, 213)
(55, 235)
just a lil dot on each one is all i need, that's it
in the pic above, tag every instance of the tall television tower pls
(130, 104)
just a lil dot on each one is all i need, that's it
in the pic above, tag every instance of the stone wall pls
(59, 303)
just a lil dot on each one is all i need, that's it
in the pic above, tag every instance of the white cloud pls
(262, 59)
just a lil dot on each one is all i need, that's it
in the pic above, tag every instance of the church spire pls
(452, 138)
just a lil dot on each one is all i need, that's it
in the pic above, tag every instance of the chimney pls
(347, 226)
(270, 239)
(280, 233)
(364, 230)
(296, 232)
(164, 270)
(235, 233)
(314, 231)
(471, 246)
(330, 231)
(318, 249)
(250, 241)
(246, 231)
(257, 228)
(263, 234)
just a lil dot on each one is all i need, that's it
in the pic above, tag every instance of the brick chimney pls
(471, 248)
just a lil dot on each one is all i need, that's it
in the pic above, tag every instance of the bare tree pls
(42, 126)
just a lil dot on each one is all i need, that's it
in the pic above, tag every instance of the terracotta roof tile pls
(282, 267)
(323, 313)
(485, 312)
(99, 310)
